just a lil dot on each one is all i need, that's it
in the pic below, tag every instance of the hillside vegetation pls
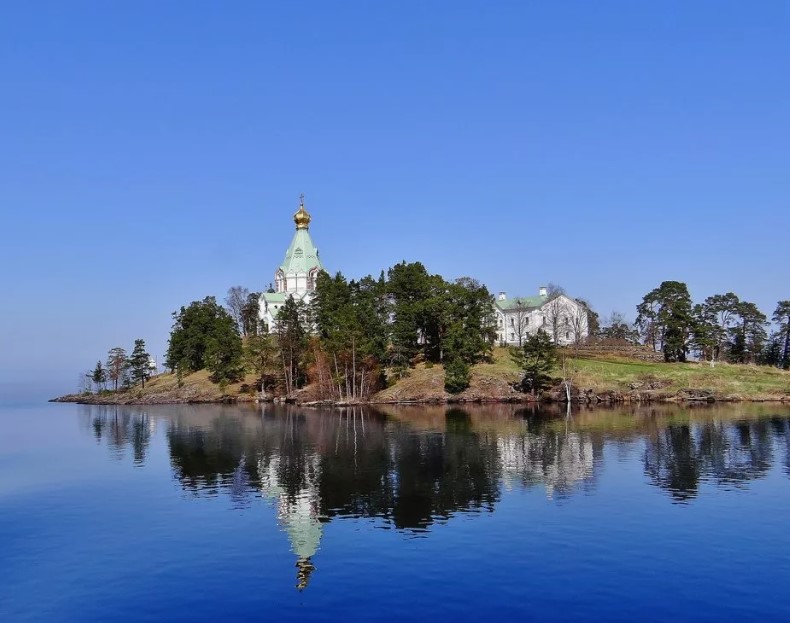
(602, 376)
(608, 376)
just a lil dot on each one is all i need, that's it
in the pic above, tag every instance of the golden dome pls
(302, 217)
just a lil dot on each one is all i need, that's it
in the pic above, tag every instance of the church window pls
(512, 337)
(567, 335)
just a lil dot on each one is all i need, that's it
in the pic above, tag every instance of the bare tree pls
(117, 363)
(235, 302)
(553, 318)
(553, 290)
(579, 325)
(519, 320)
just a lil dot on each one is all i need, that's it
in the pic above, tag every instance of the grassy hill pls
(605, 375)
(610, 376)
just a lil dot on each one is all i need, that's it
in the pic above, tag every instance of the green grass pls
(614, 372)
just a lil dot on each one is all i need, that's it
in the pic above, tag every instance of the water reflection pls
(409, 468)
(120, 428)
(727, 454)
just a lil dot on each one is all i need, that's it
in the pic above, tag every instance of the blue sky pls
(152, 153)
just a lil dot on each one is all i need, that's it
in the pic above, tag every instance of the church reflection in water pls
(412, 468)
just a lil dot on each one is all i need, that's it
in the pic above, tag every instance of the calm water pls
(208, 513)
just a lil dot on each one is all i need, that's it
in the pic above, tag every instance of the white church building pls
(296, 276)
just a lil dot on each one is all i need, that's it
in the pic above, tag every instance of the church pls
(562, 317)
(296, 276)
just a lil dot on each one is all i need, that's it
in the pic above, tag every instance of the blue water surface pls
(247, 513)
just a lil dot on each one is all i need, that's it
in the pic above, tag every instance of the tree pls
(566, 320)
(250, 315)
(260, 355)
(748, 335)
(351, 323)
(99, 376)
(704, 332)
(205, 335)
(593, 321)
(469, 325)
(292, 341)
(235, 301)
(553, 290)
(553, 318)
(536, 358)
(616, 327)
(665, 314)
(519, 319)
(117, 364)
(408, 289)
(712, 322)
(456, 375)
(781, 317)
(223, 356)
(139, 363)
(771, 354)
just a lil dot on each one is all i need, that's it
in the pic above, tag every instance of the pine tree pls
(139, 363)
(456, 375)
(536, 358)
(781, 317)
(665, 316)
(292, 341)
(205, 335)
(99, 376)
(748, 333)
(260, 356)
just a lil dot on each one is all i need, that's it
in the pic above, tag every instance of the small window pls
(512, 336)
(567, 335)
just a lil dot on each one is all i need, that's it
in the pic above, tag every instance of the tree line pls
(723, 327)
(120, 369)
(345, 338)
(353, 330)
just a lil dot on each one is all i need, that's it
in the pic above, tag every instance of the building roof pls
(301, 256)
(278, 298)
(529, 302)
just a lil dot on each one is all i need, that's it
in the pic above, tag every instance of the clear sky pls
(152, 153)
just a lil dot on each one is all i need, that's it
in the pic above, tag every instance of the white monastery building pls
(296, 276)
(563, 318)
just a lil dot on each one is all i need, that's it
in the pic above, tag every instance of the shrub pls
(456, 376)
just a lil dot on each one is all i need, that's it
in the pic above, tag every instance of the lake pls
(234, 513)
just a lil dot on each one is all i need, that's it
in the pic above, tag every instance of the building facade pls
(563, 318)
(296, 276)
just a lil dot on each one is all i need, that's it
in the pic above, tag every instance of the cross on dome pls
(302, 217)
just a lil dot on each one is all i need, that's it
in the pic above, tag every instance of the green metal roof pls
(278, 298)
(275, 297)
(529, 302)
(301, 256)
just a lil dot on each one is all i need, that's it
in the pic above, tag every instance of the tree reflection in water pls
(412, 467)
(678, 458)
(120, 428)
